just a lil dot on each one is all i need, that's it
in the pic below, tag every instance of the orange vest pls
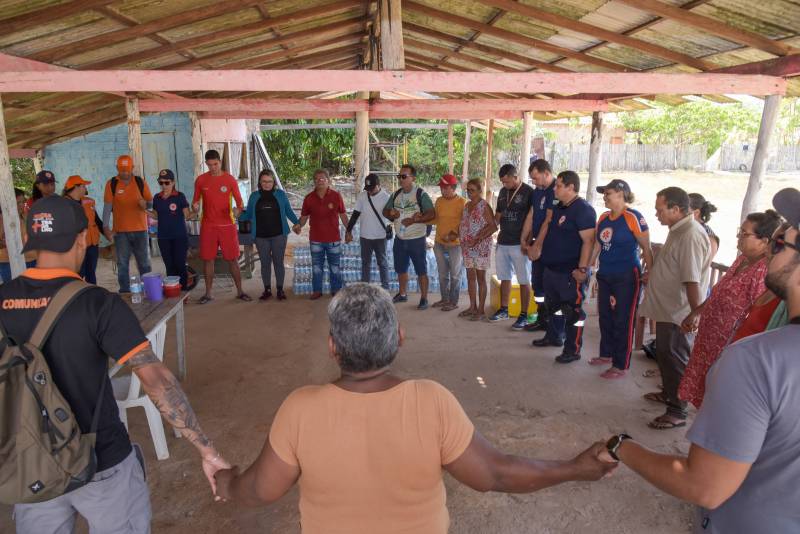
(93, 235)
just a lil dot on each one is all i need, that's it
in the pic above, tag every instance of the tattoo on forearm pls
(173, 404)
(144, 357)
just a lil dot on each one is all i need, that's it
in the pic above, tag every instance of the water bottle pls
(136, 290)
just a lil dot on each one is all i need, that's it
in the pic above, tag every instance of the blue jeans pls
(89, 266)
(449, 262)
(378, 246)
(333, 252)
(126, 243)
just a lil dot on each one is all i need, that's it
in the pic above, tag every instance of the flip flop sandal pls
(662, 423)
(656, 396)
(244, 297)
(477, 317)
(651, 373)
(466, 313)
(205, 299)
(448, 307)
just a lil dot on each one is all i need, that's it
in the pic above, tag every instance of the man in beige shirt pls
(369, 449)
(677, 286)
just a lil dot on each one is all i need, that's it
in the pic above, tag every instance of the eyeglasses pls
(779, 241)
(741, 233)
(403, 176)
(163, 183)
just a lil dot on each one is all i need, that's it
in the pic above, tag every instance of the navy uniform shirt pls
(562, 246)
(543, 200)
(619, 249)
(171, 223)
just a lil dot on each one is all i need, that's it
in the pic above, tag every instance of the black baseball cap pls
(787, 203)
(53, 223)
(619, 185)
(166, 174)
(45, 177)
(371, 181)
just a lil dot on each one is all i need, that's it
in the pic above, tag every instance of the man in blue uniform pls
(533, 234)
(566, 253)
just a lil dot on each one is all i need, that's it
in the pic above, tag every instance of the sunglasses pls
(779, 242)
(403, 176)
(164, 183)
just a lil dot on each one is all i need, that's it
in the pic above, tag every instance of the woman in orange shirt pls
(75, 188)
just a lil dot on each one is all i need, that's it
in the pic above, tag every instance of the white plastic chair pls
(128, 393)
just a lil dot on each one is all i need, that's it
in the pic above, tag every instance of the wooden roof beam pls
(226, 35)
(309, 51)
(128, 21)
(497, 52)
(69, 81)
(48, 14)
(446, 52)
(786, 66)
(511, 36)
(560, 21)
(712, 26)
(391, 38)
(259, 49)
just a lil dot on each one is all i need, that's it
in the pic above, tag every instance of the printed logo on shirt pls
(330, 206)
(562, 220)
(541, 203)
(642, 222)
(223, 189)
(120, 191)
(173, 207)
(42, 222)
(25, 304)
(605, 237)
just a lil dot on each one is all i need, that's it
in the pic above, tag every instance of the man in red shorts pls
(218, 229)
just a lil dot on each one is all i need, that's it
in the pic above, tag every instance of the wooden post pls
(361, 148)
(37, 162)
(197, 146)
(527, 132)
(465, 166)
(135, 135)
(392, 51)
(8, 204)
(595, 156)
(769, 117)
(489, 141)
(451, 163)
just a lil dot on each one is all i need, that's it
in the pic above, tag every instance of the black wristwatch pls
(613, 444)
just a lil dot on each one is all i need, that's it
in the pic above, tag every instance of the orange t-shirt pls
(128, 215)
(372, 462)
(93, 235)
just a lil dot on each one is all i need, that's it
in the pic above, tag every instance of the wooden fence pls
(623, 157)
(740, 158)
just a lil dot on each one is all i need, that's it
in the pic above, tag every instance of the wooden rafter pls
(226, 35)
(109, 13)
(48, 14)
(254, 50)
(477, 33)
(560, 21)
(511, 36)
(281, 57)
(496, 52)
(465, 58)
(712, 26)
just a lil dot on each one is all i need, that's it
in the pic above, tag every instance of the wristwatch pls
(614, 443)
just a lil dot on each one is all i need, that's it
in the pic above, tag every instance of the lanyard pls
(510, 200)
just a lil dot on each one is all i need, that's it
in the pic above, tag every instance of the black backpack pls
(139, 183)
(428, 227)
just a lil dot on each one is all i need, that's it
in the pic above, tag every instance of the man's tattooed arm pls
(164, 390)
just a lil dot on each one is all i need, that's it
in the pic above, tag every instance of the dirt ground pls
(244, 358)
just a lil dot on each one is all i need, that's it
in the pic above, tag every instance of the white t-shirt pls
(372, 227)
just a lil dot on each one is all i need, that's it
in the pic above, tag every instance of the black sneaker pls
(547, 342)
(499, 315)
(400, 298)
(266, 295)
(538, 326)
(567, 358)
(520, 323)
(423, 304)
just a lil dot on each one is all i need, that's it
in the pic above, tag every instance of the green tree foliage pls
(699, 122)
(23, 173)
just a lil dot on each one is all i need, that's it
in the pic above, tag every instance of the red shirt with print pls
(323, 214)
(217, 193)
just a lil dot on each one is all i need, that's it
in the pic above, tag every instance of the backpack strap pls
(140, 184)
(395, 195)
(114, 182)
(419, 198)
(55, 309)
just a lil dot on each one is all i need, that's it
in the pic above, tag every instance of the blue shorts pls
(412, 250)
(509, 260)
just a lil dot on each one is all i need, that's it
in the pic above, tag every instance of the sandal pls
(666, 422)
(651, 373)
(466, 313)
(478, 317)
(205, 299)
(439, 304)
(612, 373)
(656, 396)
(449, 307)
(599, 361)
(244, 297)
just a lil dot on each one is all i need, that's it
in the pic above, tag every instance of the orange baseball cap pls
(74, 180)
(125, 163)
